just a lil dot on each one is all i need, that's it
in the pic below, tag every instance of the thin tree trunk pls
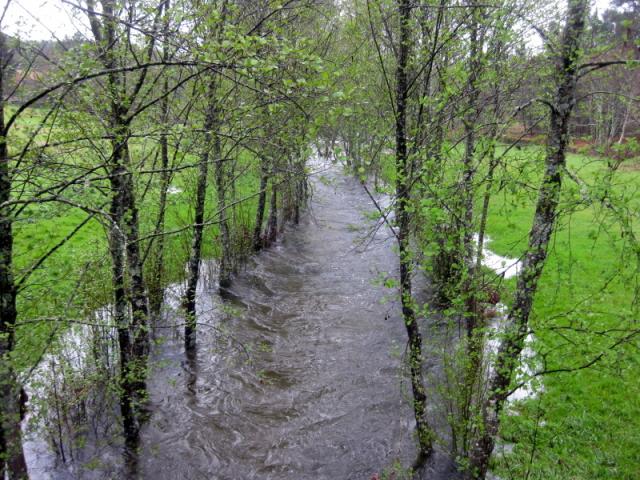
(493, 163)
(543, 224)
(272, 223)
(287, 197)
(12, 461)
(623, 129)
(424, 431)
(156, 284)
(486, 199)
(195, 256)
(225, 266)
(470, 125)
(472, 315)
(262, 201)
(299, 191)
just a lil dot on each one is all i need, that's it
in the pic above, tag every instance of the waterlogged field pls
(74, 280)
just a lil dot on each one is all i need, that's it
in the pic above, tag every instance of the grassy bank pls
(587, 422)
(75, 280)
(586, 425)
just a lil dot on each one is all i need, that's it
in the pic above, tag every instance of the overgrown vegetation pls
(168, 132)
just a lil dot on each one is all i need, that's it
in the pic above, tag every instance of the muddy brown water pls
(298, 369)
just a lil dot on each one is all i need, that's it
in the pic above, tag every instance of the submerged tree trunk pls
(12, 461)
(262, 202)
(424, 431)
(195, 256)
(543, 224)
(272, 223)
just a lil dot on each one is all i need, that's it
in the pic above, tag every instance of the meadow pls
(586, 424)
(74, 281)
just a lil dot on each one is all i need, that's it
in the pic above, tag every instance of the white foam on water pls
(504, 266)
(508, 268)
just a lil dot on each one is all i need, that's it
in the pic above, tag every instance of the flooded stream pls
(297, 374)
(298, 371)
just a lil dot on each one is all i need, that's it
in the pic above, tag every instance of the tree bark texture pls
(258, 241)
(272, 223)
(225, 264)
(543, 224)
(12, 461)
(424, 432)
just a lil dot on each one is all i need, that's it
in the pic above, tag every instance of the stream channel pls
(298, 369)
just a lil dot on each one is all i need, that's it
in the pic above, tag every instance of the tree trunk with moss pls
(544, 222)
(403, 185)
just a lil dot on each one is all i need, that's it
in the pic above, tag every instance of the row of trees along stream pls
(149, 100)
(221, 101)
(437, 89)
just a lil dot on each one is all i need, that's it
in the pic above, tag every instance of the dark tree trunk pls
(262, 202)
(299, 191)
(195, 256)
(225, 265)
(543, 224)
(156, 287)
(125, 255)
(287, 199)
(425, 434)
(272, 223)
(12, 461)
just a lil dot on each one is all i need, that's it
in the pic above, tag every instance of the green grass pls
(588, 421)
(586, 424)
(76, 279)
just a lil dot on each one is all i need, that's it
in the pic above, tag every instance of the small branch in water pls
(156, 327)
(384, 216)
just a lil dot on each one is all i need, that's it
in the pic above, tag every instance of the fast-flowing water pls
(321, 396)
(297, 374)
